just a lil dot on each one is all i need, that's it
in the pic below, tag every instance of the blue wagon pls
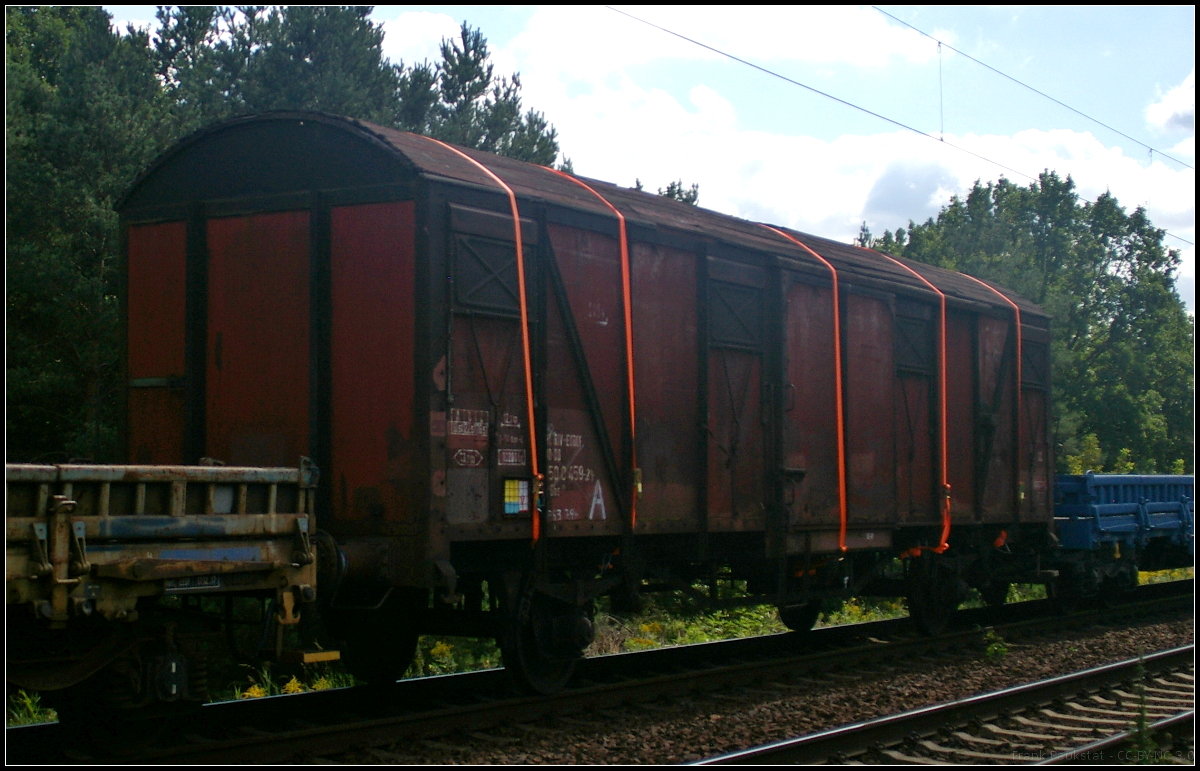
(1150, 518)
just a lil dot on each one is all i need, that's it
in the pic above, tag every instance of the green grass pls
(1162, 576)
(447, 655)
(25, 708)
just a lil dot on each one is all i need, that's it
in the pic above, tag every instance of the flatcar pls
(527, 390)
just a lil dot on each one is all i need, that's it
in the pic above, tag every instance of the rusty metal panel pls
(136, 527)
(208, 474)
(1036, 473)
(870, 409)
(580, 494)
(156, 267)
(737, 482)
(485, 428)
(994, 456)
(666, 364)
(90, 540)
(590, 265)
(916, 449)
(156, 417)
(375, 472)
(960, 415)
(810, 418)
(257, 393)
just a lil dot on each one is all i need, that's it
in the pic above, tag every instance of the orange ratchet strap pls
(1020, 375)
(533, 446)
(628, 339)
(837, 365)
(944, 544)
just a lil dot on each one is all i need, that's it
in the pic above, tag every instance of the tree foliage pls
(217, 62)
(1123, 344)
(84, 114)
(677, 192)
(88, 107)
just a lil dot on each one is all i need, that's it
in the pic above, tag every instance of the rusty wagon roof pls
(537, 183)
(531, 181)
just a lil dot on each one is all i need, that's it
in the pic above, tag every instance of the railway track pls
(284, 728)
(1082, 717)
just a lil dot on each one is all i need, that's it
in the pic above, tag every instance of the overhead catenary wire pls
(1059, 102)
(839, 100)
(852, 105)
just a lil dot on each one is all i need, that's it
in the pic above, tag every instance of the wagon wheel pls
(933, 596)
(378, 645)
(536, 641)
(800, 618)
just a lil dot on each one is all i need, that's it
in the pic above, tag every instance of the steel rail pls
(281, 728)
(1090, 753)
(836, 744)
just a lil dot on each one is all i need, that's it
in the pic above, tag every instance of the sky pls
(631, 102)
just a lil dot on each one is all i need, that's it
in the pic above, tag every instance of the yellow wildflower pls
(255, 691)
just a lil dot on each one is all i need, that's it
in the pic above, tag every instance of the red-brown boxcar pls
(622, 392)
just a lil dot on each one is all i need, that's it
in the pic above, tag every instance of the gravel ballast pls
(700, 725)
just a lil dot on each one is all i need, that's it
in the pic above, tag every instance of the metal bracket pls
(792, 477)
(287, 602)
(79, 562)
(61, 504)
(42, 539)
(309, 473)
(304, 551)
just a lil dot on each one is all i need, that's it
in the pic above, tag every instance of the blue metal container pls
(1125, 510)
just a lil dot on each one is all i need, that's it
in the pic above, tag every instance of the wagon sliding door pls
(488, 467)
(809, 454)
(736, 430)
(257, 393)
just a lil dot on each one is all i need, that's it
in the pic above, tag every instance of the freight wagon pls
(105, 568)
(527, 390)
(1110, 526)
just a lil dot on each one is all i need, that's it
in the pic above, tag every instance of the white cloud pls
(1176, 110)
(590, 42)
(416, 36)
(618, 130)
(585, 67)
